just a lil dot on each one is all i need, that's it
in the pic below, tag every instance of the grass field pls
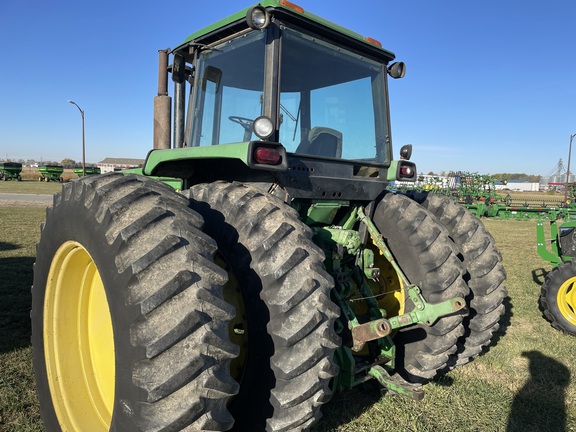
(30, 187)
(524, 383)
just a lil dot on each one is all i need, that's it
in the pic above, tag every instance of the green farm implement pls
(279, 270)
(87, 170)
(526, 211)
(10, 171)
(478, 194)
(556, 243)
(51, 172)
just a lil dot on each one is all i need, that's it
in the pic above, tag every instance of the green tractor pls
(282, 271)
(558, 292)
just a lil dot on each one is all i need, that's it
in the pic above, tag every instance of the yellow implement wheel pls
(79, 341)
(566, 299)
(558, 297)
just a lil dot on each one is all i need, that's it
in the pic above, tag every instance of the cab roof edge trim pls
(276, 4)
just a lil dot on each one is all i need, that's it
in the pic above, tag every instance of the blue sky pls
(490, 85)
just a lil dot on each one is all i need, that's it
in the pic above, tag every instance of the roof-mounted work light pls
(257, 17)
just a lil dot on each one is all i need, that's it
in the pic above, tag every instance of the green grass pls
(19, 233)
(524, 383)
(30, 187)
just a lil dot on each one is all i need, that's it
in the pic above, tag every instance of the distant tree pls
(431, 173)
(68, 163)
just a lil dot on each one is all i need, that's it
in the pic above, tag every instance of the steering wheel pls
(246, 123)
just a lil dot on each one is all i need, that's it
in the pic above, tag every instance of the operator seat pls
(322, 141)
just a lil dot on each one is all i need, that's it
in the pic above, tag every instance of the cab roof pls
(294, 13)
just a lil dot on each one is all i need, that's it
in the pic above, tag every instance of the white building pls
(518, 185)
(115, 164)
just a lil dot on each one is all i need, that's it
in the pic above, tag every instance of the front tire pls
(129, 329)
(290, 337)
(558, 297)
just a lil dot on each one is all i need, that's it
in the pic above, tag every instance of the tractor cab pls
(298, 89)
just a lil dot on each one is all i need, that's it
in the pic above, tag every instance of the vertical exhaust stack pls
(162, 104)
(180, 75)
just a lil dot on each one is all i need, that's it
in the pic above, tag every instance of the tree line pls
(66, 163)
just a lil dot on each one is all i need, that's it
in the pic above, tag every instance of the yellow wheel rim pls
(566, 300)
(78, 341)
(238, 326)
(389, 291)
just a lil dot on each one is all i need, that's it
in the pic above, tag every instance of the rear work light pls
(257, 18)
(263, 127)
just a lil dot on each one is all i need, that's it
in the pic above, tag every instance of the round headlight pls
(257, 18)
(263, 127)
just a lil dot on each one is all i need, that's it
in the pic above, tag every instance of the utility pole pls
(568, 169)
(83, 143)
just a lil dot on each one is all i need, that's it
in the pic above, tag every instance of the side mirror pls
(179, 69)
(397, 70)
(406, 152)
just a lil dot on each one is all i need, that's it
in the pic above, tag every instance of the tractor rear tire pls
(484, 274)
(429, 259)
(558, 297)
(129, 326)
(290, 338)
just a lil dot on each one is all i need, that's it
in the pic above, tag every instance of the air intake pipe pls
(162, 104)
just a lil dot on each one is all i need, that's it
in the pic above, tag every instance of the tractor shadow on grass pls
(15, 302)
(8, 246)
(540, 405)
(539, 277)
(345, 407)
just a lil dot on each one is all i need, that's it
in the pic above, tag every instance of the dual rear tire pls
(156, 311)
(484, 274)
(134, 307)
